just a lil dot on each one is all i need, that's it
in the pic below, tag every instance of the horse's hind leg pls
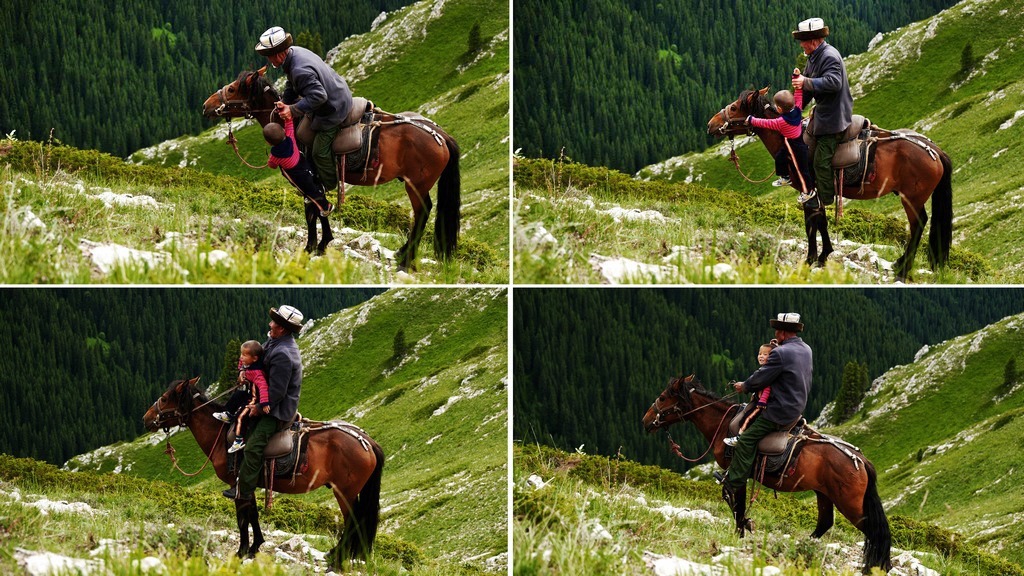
(826, 516)
(421, 206)
(917, 218)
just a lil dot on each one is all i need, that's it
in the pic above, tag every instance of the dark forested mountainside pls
(119, 76)
(626, 84)
(588, 362)
(76, 357)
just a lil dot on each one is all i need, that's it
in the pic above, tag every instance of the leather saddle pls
(281, 444)
(848, 152)
(773, 444)
(350, 136)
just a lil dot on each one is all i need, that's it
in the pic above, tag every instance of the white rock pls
(536, 482)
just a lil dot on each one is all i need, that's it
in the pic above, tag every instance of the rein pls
(182, 421)
(728, 125)
(682, 415)
(233, 142)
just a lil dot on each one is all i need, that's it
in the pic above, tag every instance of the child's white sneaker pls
(238, 445)
(731, 440)
(222, 416)
(782, 181)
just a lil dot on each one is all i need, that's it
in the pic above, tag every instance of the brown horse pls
(418, 153)
(334, 459)
(914, 170)
(838, 480)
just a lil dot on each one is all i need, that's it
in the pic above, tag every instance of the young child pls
(762, 399)
(789, 124)
(251, 370)
(284, 153)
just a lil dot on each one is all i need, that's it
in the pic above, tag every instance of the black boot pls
(231, 492)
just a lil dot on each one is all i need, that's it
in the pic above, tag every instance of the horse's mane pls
(256, 91)
(760, 100)
(700, 388)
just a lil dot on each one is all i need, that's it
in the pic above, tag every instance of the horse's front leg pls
(820, 223)
(257, 533)
(326, 235)
(812, 239)
(311, 215)
(242, 518)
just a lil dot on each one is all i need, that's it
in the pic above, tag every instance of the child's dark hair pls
(771, 344)
(784, 100)
(273, 133)
(252, 347)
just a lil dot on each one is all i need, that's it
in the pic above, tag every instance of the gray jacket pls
(315, 89)
(284, 376)
(830, 90)
(788, 371)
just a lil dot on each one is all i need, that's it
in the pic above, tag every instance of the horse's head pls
(729, 120)
(174, 406)
(248, 94)
(673, 404)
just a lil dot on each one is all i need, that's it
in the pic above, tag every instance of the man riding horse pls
(824, 80)
(788, 371)
(315, 90)
(284, 378)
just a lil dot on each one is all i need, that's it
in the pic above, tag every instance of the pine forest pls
(627, 84)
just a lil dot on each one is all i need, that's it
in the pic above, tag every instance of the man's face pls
(780, 335)
(277, 59)
(276, 330)
(809, 45)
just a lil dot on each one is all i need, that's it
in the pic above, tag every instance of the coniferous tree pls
(1010, 373)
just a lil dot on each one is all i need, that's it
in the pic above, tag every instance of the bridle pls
(728, 129)
(675, 409)
(180, 412)
(729, 124)
(163, 416)
(243, 106)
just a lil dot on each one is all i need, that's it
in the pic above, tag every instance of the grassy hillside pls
(944, 433)
(195, 214)
(580, 514)
(914, 77)
(580, 224)
(439, 412)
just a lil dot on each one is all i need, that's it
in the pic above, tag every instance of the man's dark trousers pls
(742, 464)
(259, 437)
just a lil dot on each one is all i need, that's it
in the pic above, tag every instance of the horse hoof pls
(309, 248)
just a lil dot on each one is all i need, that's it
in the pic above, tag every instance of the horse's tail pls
(878, 539)
(449, 204)
(361, 525)
(940, 236)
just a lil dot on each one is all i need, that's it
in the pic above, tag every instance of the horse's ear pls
(194, 381)
(262, 71)
(764, 90)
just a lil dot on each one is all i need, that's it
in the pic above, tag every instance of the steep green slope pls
(418, 59)
(582, 514)
(955, 78)
(439, 411)
(944, 433)
(195, 214)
